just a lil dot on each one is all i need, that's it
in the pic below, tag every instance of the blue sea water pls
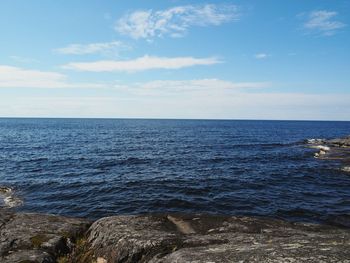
(99, 167)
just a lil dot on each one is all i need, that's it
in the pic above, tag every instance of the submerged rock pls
(185, 238)
(37, 238)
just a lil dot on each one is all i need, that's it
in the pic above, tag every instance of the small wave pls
(216, 160)
(8, 198)
(128, 161)
(272, 145)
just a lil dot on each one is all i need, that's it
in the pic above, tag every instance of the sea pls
(93, 168)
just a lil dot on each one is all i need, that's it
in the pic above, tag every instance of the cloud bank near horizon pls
(282, 106)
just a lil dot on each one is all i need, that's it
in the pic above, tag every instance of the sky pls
(271, 59)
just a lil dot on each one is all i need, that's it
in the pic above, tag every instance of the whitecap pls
(346, 169)
(321, 147)
(8, 198)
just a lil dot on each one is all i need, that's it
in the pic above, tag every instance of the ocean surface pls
(99, 167)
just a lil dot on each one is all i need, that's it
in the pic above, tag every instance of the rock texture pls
(184, 238)
(37, 238)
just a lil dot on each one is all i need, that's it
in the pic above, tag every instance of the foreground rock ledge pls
(168, 238)
(37, 238)
(192, 238)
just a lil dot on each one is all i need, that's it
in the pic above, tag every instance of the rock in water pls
(335, 149)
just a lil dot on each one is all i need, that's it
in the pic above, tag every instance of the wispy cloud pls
(14, 77)
(141, 64)
(323, 22)
(194, 86)
(261, 56)
(174, 22)
(102, 48)
(198, 84)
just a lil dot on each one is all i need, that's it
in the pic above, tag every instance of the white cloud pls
(141, 64)
(323, 22)
(261, 56)
(175, 21)
(92, 48)
(14, 77)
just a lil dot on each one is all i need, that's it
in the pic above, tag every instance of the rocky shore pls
(37, 238)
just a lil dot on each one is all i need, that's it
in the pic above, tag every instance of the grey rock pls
(132, 238)
(37, 237)
(341, 142)
(157, 238)
(5, 216)
(32, 256)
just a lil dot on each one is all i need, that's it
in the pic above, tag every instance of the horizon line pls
(170, 118)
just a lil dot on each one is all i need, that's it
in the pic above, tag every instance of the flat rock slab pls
(37, 238)
(198, 238)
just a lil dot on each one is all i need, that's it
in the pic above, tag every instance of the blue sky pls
(175, 59)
